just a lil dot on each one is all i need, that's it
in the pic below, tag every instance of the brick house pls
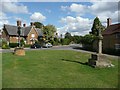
(28, 33)
(111, 36)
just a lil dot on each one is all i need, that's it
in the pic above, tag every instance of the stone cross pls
(100, 38)
(19, 32)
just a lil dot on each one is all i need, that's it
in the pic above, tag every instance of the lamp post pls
(19, 32)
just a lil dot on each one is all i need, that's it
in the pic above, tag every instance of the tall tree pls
(68, 35)
(49, 31)
(96, 26)
(38, 25)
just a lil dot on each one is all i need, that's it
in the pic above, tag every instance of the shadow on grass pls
(86, 49)
(85, 63)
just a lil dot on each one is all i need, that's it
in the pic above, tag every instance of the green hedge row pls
(13, 45)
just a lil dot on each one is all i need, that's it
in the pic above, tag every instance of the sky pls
(74, 16)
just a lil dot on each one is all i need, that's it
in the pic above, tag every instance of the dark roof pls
(12, 30)
(115, 28)
(39, 31)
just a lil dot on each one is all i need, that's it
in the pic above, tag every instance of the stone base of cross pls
(99, 60)
(19, 51)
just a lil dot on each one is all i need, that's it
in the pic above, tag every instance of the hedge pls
(13, 45)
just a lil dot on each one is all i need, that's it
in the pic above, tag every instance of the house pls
(111, 36)
(28, 33)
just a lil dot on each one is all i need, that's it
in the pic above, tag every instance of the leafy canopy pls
(97, 26)
(49, 31)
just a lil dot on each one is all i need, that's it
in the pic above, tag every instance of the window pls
(32, 35)
(117, 46)
(117, 35)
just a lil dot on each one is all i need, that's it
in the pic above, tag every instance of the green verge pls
(0, 71)
(56, 69)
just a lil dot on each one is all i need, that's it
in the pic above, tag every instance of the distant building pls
(111, 36)
(28, 33)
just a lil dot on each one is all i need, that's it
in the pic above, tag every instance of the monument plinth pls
(99, 60)
(19, 51)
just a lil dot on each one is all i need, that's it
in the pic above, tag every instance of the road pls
(74, 47)
(67, 47)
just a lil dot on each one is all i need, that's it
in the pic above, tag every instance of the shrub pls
(88, 39)
(5, 46)
(22, 43)
(112, 51)
(13, 45)
(27, 45)
(65, 41)
(87, 47)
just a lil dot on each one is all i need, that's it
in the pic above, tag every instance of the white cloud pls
(78, 8)
(103, 9)
(75, 25)
(14, 7)
(37, 16)
(3, 19)
(11, 6)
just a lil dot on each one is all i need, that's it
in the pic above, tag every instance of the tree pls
(88, 39)
(68, 35)
(96, 26)
(38, 25)
(77, 39)
(49, 31)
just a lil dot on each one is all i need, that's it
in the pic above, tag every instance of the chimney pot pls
(32, 23)
(18, 23)
(109, 21)
(24, 25)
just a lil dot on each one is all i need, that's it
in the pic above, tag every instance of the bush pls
(5, 46)
(87, 47)
(88, 39)
(13, 45)
(65, 41)
(27, 45)
(22, 43)
(111, 51)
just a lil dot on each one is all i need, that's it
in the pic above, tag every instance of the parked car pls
(47, 45)
(36, 45)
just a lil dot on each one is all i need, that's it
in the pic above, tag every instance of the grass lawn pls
(55, 69)
(0, 71)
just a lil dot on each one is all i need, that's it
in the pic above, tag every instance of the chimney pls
(109, 21)
(24, 25)
(18, 23)
(32, 23)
